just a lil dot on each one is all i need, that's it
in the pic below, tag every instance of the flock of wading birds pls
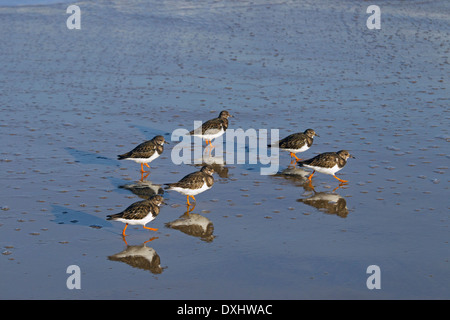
(142, 212)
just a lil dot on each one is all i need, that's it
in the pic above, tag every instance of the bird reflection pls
(140, 257)
(328, 202)
(143, 189)
(194, 225)
(297, 176)
(217, 163)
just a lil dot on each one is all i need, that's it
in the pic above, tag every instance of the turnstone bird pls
(139, 213)
(296, 142)
(328, 163)
(145, 152)
(212, 128)
(194, 183)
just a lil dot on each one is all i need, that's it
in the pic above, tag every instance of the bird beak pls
(165, 142)
(352, 157)
(316, 135)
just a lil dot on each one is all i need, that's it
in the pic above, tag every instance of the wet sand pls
(73, 99)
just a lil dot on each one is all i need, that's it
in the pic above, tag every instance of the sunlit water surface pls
(72, 100)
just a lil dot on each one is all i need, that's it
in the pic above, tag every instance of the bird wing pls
(211, 126)
(144, 150)
(138, 210)
(294, 141)
(193, 180)
(326, 160)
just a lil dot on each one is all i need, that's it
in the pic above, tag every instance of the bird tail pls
(113, 216)
(123, 156)
(302, 163)
(167, 185)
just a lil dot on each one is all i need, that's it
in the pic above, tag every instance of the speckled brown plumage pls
(298, 140)
(213, 125)
(139, 210)
(328, 163)
(196, 180)
(328, 159)
(146, 149)
(194, 183)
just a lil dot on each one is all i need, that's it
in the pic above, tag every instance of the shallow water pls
(72, 100)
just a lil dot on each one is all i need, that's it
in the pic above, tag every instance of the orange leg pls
(294, 156)
(310, 177)
(123, 232)
(153, 229)
(340, 179)
(187, 200)
(209, 144)
(142, 167)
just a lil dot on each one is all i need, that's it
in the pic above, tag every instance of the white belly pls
(210, 134)
(191, 192)
(145, 160)
(143, 222)
(302, 149)
(331, 171)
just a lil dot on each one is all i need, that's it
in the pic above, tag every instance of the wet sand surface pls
(72, 100)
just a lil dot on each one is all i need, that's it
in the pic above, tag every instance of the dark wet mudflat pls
(72, 100)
